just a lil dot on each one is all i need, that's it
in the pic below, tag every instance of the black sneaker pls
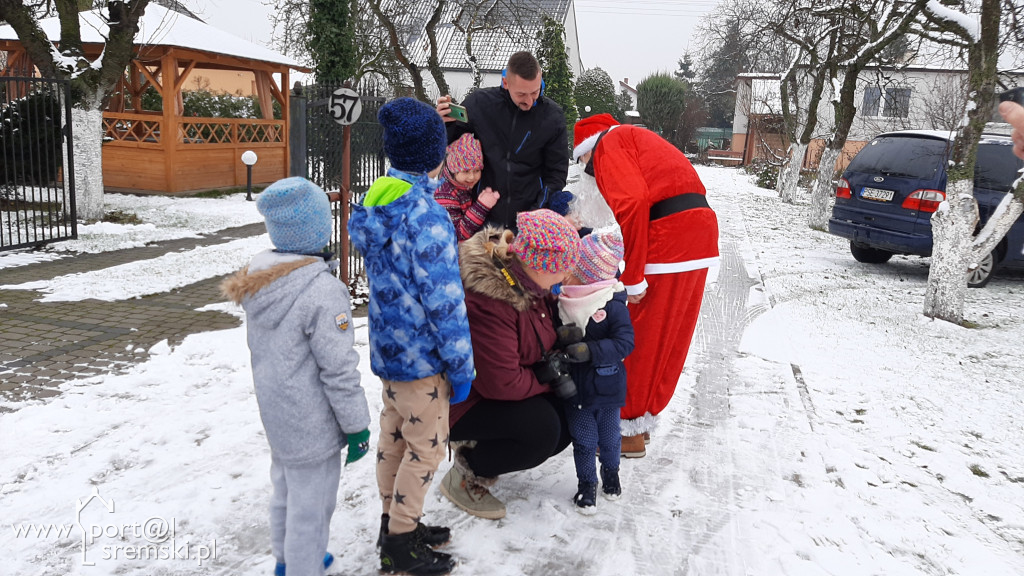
(432, 536)
(586, 498)
(610, 483)
(405, 554)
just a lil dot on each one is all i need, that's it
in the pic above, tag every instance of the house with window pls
(887, 99)
(478, 42)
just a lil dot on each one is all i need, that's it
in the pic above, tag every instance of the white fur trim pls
(634, 289)
(588, 144)
(645, 423)
(585, 146)
(675, 267)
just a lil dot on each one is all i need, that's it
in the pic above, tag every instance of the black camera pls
(553, 372)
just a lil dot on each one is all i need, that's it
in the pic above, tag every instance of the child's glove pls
(577, 353)
(568, 334)
(559, 201)
(460, 392)
(358, 446)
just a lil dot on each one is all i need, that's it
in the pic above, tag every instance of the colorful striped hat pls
(465, 154)
(600, 254)
(546, 241)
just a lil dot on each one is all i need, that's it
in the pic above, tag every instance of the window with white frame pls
(872, 96)
(890, 102)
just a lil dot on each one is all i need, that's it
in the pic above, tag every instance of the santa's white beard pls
(588, 207)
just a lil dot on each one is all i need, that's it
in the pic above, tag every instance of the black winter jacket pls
(602, 381)
(526, 154)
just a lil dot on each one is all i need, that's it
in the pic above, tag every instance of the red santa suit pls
(671, 238)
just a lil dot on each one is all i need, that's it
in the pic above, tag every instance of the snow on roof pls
(162, 27)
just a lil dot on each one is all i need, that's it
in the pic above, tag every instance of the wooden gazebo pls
(164, 151)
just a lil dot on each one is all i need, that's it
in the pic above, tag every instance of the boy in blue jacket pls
(305, 371)
(419, 333)
(593, 298)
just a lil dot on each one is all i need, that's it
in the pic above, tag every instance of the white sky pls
(822, 426)
(627, 39)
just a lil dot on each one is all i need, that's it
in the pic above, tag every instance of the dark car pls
(886, 197)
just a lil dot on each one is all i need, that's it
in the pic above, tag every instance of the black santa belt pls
(679, 203)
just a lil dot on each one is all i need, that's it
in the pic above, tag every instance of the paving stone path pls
(43, 344)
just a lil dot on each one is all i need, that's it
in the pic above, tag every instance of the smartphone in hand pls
(458, 112)
(1013, 95)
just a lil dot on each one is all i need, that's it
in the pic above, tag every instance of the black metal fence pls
(37, 190)
(324, 158)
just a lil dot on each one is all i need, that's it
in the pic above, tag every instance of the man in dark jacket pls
(523, 136)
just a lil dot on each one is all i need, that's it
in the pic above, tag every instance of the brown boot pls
(633, 446)
(647, 438)
(469, 491)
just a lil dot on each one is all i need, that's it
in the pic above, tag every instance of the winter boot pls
(586, 498)
(469, 491)
(432, 536)
(279, 568)
(405, 554)
(647, 438)
(610, 483)
(633, 446)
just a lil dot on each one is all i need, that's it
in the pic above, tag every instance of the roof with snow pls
(496, 32)
(162, 27)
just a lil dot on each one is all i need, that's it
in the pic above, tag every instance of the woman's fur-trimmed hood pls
(480, 273)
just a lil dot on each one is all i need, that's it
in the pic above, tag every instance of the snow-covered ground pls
(822, 426)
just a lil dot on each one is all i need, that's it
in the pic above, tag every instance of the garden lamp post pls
(248, 158)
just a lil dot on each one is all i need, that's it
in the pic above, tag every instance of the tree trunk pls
(952, 225)
(823, 190)
(789, 175)
(954, 249)
(87, 128)
(997, 226)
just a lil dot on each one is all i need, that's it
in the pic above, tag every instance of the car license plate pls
(876, 194)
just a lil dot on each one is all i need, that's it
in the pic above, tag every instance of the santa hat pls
(588, 130)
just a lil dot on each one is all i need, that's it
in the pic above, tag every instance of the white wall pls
(936, 101)
(572, 42)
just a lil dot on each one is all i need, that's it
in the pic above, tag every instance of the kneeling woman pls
(510, 421)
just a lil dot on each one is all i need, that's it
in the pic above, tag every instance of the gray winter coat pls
(304, 366)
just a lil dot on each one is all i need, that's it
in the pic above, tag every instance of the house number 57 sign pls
(345, 106)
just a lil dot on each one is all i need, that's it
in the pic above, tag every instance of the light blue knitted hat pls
(298, 215)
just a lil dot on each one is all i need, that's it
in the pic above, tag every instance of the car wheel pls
(869, 255)
(980, 276)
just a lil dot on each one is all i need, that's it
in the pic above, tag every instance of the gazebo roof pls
(162, 27)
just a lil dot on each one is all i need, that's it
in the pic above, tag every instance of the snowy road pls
(822, 426)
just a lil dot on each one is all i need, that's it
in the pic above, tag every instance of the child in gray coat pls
(305, 371)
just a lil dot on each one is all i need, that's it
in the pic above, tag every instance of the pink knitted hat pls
(600, 254)
(465, 154)
(546, 241)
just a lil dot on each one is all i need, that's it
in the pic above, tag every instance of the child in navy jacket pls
(594, 299)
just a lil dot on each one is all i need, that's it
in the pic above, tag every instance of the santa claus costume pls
(671, 238)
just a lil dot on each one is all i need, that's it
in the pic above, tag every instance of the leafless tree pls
(955, 248)
(92, 84)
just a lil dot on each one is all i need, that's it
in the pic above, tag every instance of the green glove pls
(358, 446)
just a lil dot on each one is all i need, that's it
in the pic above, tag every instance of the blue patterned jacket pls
(417, 310)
